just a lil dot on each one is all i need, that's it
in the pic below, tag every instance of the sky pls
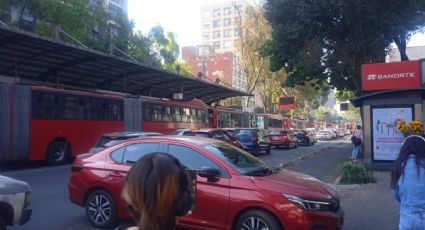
(183, 17)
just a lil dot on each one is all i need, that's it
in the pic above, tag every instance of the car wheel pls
(296, 145)
(58, 153)
(268, 150)
(100, 209)
(257, 220)
(2, 223)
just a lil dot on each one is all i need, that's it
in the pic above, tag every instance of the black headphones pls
(185, 199)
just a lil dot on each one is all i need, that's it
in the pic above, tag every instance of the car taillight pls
(76, 168)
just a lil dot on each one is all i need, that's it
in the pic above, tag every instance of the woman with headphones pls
(408, 182)
(158, 190)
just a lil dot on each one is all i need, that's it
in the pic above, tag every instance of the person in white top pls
(357, 140)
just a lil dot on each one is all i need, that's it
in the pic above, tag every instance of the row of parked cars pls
(331, 134)
(235, 190)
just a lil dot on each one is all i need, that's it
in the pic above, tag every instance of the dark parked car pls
(282, 138)
(218, 134)
(110, 139)
(235, 191)
(183, 132)
(253, 140)
(230, 131)
(304, 138)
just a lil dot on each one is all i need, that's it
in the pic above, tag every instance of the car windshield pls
(278, 132)
(245, 132)
(240, 160)
(202, 135)
(106, 141)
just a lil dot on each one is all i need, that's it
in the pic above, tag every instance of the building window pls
(216, 34)
(216, 12)
(114, 10)
(119, 2)
(238, 9)
(237, 32)
(216, 23)
(206, 25)
(206, 14)
(206, 35)
(227, 44)
(227, 11)
(216, 45)
(227, 33)
(227, 22)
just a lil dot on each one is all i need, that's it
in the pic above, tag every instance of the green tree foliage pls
(344, 95)
(329, 40)
(91, 23)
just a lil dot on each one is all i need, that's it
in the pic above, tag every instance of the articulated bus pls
(43, 123)
(222, 117)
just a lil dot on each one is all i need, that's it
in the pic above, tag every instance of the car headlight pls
(313, 205)
(28, 197)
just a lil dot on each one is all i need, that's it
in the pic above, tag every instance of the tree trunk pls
(400, 41)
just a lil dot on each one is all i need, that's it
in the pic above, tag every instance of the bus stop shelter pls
(28, 58)
(391, 92)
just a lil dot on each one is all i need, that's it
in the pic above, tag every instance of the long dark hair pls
(152, 189)
(412, 145)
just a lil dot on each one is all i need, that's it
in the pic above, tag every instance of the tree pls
(329, 40)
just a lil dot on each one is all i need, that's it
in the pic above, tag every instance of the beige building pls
(221, 24)
(414, 53)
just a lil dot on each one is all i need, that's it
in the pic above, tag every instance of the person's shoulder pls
(126, 227)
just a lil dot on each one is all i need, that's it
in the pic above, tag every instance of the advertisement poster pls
(386, 138)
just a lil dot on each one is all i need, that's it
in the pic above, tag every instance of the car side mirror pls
(209, 172)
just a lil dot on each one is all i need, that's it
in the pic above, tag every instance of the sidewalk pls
(370, 206)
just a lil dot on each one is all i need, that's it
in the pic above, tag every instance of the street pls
(53, 210)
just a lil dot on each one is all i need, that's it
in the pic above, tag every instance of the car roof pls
(191, 139)
(130, 134)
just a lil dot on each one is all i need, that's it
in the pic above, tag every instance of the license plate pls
(299, 140)
(275, 138)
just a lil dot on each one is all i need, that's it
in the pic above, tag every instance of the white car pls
(324, 135)
(15, 202)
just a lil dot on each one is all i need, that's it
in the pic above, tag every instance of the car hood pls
(293, 183)
(10, 186)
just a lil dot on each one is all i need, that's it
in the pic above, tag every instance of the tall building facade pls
(116, 6)
(221, 24)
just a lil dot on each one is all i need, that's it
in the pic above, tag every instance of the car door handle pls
(118, 174)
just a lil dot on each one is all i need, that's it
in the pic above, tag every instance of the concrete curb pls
(297, 160)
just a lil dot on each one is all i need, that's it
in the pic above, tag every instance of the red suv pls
(234, 189)
(282, 138)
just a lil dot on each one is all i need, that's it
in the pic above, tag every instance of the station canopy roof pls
(34, 58)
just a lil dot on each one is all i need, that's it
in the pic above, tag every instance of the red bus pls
(223, 117)
(42, 123)
(165, 116)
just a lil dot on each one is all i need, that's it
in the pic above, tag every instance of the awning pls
(31, 57)
(358, 101)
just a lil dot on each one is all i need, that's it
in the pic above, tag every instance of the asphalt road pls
(52, 209)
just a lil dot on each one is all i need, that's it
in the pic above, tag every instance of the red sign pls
(286, 103)
(393, 75)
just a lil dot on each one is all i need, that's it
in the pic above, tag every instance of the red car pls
(218, 134)
(282, 138)
(234, 189)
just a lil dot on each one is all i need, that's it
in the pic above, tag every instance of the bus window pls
(166, 115)
(156, 113)
(177, 114)
(194, 116)
(186, 115)
(148, 112)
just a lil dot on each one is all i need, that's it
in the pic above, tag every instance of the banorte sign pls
(393, 75)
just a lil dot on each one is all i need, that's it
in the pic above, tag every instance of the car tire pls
(58, 153)
(296, 145)
(256, 220)
(268, 150)
(2, 223)
(103, 200)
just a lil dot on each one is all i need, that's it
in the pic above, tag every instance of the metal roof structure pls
(33, 58)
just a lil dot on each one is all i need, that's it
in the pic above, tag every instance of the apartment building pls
(221, 24)
(414, 53)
